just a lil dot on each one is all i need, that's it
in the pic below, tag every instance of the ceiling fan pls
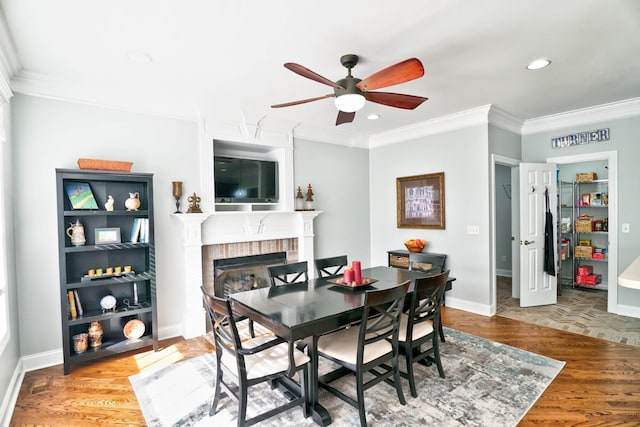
(351, 92)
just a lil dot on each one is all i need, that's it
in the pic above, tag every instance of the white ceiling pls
(224, 59)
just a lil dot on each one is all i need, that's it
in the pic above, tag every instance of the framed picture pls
(420, 201)
(80, 195)
(106, 236)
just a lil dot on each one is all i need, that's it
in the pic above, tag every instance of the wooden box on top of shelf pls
(586, 176)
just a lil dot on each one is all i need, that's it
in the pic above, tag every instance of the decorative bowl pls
(415, 245)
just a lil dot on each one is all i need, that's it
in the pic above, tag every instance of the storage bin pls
(584, 224)
(586, 176)
(583, 251)
(585, 270)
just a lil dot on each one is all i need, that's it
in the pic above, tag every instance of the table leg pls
(318, 413)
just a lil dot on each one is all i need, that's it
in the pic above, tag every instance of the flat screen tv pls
(239, 180)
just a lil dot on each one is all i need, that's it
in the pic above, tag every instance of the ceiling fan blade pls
(401, 72)
(398, 100)
(305, 72)
(302, 101)
(345, 117)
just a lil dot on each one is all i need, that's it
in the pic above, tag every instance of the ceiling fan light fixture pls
(350, 102)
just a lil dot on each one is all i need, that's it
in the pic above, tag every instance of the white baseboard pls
(470, 306)
(504, 273)
(11, 397)
(42, 360)
(628, 310)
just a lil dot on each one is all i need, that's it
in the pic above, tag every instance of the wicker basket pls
(586, 176)
(104, 165)
(583, 251)
(584, 224)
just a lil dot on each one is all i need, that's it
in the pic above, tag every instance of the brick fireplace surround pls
(207, 237)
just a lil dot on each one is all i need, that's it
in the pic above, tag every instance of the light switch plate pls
(626, 228)
(473, 229)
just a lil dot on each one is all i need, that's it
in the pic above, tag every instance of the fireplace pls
(231, 275)
(210, 236)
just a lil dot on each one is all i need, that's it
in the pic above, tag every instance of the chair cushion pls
(268, 362)
(343, 345)
(419, 329)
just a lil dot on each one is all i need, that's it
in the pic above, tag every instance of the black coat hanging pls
(549, 256)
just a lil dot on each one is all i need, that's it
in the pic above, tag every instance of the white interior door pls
(536, 286)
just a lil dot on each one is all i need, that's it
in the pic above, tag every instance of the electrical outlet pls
(626, 228)
(473, 229)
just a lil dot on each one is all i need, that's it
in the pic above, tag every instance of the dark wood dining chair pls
(251, 362)
(326, 267)
(368, 348)
(430, 263)
(418, 337)
(283, 274)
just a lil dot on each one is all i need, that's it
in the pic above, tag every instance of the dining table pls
(302, 312)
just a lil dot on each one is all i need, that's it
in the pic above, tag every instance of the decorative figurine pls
(177, 193)
(309, 200)
(95, 334)
(76, 233)
(109, 203)
(133, 202)
(194, 204)
(299, 200)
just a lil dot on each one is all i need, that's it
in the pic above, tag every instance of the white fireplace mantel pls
(231, 227)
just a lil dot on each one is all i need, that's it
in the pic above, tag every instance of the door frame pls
(497, 159)
(612, 164)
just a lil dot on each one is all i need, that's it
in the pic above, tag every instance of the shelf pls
(105, 247)
(592, 259)
(98, 315)
(106, 213)
(129, 278)
(112, 346)
(600, 286)
(592, 232)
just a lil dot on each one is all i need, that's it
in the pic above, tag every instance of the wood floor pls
(599, 386)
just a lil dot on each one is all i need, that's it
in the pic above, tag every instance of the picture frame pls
(80, 195)
(106, 236)
(420, 201)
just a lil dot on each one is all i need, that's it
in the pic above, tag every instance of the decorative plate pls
(108, 302)
(134, 329)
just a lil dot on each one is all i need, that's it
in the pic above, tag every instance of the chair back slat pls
(326, 267)
(426, 299)
(222, 322)
(283, 274)
(382, 310)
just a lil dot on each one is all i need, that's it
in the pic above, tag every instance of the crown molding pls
(504, 120)
(9, 61)
(450, 122)
(43, 86)
(584, 116)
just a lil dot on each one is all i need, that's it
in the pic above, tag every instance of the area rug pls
(486, 384)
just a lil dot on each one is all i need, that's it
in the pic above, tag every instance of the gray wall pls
(624, 133)
(340, 181)
(462, 155)
(10, 356)
(52, 134)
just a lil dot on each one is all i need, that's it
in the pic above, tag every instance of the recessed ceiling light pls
(137, 56)
(538, 64)
(373, 117)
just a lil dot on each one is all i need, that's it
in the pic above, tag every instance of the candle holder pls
(177, 193)
(309, 200)
(299, 200)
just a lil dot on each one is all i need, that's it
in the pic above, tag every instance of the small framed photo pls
(105, 236)
(80, 195)
(420, 201)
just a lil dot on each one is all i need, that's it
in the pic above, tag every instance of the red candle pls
(348, 275)
(357, 272)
